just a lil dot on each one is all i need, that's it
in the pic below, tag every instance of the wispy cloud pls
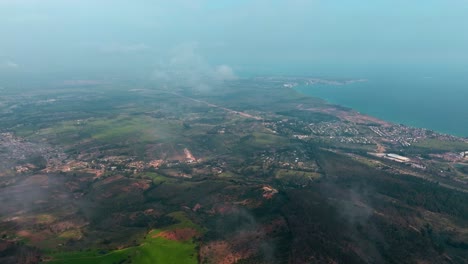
(9, 65)
(225, 73)
(187, 68)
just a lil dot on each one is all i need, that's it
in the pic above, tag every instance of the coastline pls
(307, 90)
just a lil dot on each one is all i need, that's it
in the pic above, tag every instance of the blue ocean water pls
(436, 100)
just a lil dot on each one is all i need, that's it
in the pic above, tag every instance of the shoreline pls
(300, 89)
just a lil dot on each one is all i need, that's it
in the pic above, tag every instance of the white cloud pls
(224, 72)
(186, 68)
(9, 65)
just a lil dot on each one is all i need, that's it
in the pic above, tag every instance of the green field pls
(156, 178)
(153, 249)
(440, 145)
(262, 139)
(293, 177)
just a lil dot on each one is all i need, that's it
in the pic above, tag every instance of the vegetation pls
(119, 176)
(153, 249)
(435, 145)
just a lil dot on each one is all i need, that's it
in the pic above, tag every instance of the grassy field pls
(156, 178)
(439, 145)
(295, 178)
(283, 173)
(262, 139)
(153, 249)
(115, 129)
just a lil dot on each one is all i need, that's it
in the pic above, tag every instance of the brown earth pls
(181, 234)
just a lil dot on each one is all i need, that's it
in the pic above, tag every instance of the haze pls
(84, 39)
(233, 131)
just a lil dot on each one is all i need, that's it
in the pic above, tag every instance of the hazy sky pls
(140, 37)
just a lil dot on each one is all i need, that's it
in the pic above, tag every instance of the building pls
(396, 157)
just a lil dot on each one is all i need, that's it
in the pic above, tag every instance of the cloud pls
(225, 73)
(188, 69)
(9, 65)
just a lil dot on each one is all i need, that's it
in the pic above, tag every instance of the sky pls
(222, 38)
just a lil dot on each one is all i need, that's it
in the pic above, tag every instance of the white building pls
(397, 157)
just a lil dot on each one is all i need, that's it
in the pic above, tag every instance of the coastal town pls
(382, 140)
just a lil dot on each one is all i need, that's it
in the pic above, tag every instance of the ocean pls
(436, 100)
